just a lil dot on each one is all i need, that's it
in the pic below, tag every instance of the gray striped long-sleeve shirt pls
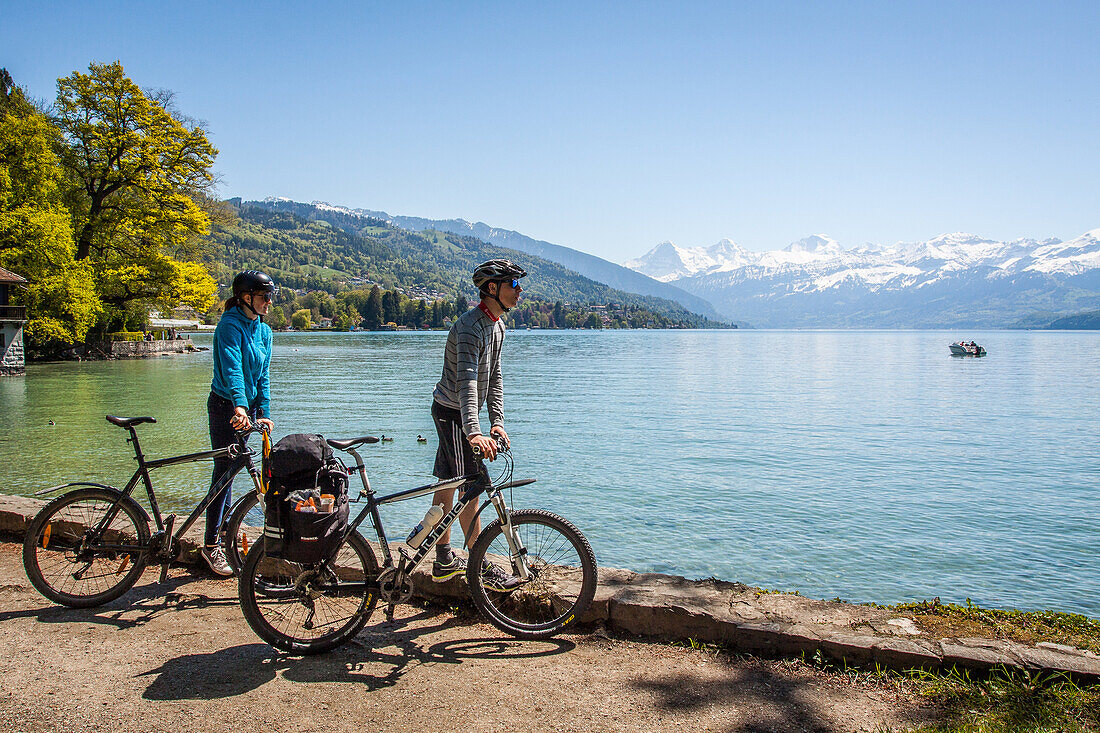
(471, 370)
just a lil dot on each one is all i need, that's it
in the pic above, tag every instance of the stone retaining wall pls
(739, 617)
(12, 362)
(138, 349)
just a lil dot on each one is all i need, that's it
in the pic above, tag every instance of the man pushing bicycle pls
(472, 378)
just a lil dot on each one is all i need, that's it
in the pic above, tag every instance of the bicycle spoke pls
(563, 575)
(73, 557)
(307, 608)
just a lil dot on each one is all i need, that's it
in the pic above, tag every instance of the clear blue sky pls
(612, 127)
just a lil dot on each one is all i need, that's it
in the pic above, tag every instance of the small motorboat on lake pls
(967, 348)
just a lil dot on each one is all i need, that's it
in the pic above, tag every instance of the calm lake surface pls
(869, 465)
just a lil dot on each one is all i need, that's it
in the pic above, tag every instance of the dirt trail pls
(180, 658)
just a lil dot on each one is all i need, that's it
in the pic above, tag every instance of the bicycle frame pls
(241, 457)
(470, 494)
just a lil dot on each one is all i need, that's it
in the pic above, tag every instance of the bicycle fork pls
(515, 546)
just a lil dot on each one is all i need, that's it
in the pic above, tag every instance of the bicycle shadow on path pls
(135, 608)
(378, 657)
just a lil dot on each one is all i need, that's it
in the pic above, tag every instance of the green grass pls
(1004, 700)
(1028, 627)
(1010, 701)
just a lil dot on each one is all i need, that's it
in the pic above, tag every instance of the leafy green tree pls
(461, 304)
(139, 168)
(342, 321)
(276, 318)
(35, 236)
(319, 303)
(300, 319)
(372, 316)
(389, 307)
(142, 177)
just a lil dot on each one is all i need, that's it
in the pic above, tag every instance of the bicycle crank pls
(394, 586)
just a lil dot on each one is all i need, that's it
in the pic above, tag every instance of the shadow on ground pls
(771, 703)
(378, 657)
(135, 608)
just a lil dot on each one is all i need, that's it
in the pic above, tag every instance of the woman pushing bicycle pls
(239, 392)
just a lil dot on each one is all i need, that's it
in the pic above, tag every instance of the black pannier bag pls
(300, 467)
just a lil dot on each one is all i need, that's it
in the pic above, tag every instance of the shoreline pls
(122, 350)
(750, 620)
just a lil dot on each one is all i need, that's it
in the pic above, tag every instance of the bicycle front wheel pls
(563, 575)
(75, 558)
(308, 609)
(245, 513)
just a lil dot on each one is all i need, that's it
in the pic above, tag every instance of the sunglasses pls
(269, 297)
(514, 283)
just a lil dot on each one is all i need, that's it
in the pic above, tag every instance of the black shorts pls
(454, 457)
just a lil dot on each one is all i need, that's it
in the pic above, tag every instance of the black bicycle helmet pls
(496, 271)
(253, 281)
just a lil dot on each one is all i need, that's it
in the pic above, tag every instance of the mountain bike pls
(91, 544)
(311, 608)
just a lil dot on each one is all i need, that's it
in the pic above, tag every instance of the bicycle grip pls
(501, 446)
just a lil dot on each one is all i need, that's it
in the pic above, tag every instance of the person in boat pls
(239, 392)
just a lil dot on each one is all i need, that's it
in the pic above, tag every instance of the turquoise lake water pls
(869, 465)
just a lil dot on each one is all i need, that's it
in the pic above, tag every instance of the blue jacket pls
(242, 356)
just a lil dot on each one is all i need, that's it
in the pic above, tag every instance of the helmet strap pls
(496, 297)
(249, 306)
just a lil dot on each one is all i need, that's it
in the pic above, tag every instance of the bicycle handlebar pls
(253, 427)
(502, 446)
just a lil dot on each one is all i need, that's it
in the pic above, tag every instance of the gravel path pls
(180, 658)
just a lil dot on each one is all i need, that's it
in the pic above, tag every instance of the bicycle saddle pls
(353, 443)
(129, 422)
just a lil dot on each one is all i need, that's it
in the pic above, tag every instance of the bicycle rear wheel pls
(563, 569)
(72, 564)
(307, 609)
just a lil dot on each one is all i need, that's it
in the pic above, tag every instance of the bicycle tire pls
(564, 570)
(54, 535)
(276, 598)
(243, 513)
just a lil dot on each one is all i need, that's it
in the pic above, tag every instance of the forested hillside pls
(305, 250)
(1079, 321)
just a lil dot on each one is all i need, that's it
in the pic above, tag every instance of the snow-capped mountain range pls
(954, 279)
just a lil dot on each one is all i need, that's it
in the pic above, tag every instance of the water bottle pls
(422, 530)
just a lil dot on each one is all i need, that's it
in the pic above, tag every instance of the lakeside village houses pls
(12, 318)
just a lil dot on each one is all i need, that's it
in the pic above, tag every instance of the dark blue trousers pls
(220, 410)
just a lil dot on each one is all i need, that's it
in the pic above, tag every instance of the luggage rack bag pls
(303, 464)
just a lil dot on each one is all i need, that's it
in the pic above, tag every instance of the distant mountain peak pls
(814, 243)
(816, 282)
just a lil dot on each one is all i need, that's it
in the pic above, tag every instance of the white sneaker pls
(215, 558)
